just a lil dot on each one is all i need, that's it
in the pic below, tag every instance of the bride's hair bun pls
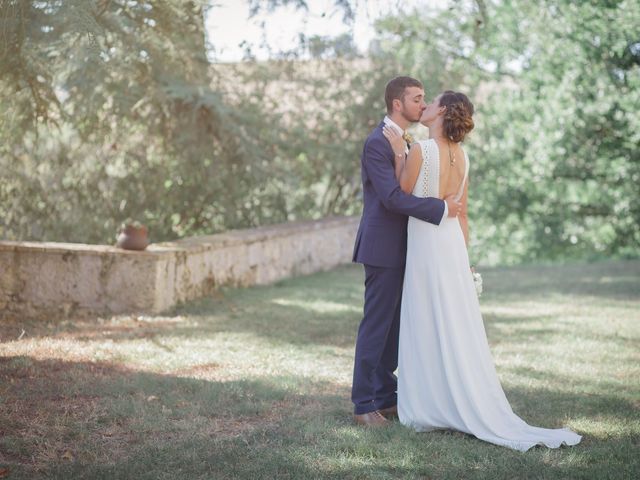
(458, 119)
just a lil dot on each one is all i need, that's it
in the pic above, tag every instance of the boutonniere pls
(407, 138)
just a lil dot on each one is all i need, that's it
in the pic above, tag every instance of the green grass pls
(255, 383)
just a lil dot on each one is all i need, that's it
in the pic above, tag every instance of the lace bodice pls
(428, 182)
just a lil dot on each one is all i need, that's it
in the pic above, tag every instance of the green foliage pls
(136, 124)
(112, 111)
(558, 164)
(555, 163)
(122, 103)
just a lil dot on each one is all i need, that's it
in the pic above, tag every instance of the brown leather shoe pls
(371, 419)
(389, 413)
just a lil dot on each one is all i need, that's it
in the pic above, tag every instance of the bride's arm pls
(462, 216)
(406, 169)
(399, 146)
(409, 173)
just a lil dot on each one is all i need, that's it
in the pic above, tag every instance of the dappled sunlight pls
(52, 348)
(606, 426)
(522, 310)
(91, 327)
(318, 306)
(235, 355)
(587, 380)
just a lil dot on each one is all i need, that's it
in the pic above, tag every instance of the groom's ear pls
(397, 104)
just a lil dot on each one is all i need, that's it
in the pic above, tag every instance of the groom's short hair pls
(395, 90)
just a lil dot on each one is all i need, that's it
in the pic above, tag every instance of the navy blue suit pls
(381, 245)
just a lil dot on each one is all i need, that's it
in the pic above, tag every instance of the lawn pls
(255, 383)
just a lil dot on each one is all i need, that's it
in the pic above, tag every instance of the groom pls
(381, 245)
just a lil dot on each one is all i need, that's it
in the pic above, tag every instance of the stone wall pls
(40, 276)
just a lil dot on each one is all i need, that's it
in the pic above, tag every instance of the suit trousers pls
(376, 359)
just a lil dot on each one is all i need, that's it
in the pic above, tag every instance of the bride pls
(446, 375)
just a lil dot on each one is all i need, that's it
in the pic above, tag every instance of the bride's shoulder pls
(419, 146)
(428, 145)
(416, 148)
(424, 143)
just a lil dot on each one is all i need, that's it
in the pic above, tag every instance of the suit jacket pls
(382, 235)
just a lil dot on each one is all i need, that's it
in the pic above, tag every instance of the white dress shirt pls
(387, 121)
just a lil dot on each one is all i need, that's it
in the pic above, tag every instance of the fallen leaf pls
(4, 472)
(67, 456)
(151, 398)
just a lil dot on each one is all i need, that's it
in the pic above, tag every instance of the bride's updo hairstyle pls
(457, 121)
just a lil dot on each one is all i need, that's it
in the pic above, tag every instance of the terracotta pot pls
(132, 237)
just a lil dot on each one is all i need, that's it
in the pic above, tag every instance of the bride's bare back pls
(451, 176)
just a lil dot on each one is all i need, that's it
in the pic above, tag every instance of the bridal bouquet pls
(477, 280)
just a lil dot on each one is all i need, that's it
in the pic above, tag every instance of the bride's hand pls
(398, 143)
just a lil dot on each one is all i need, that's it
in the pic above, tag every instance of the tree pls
(112, 111)
(559, 161)
(111, 115)
(555, 164)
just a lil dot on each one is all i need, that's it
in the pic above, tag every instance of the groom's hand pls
(453, 206)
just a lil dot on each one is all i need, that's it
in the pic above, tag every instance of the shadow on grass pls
(94, 420)
(538, 405)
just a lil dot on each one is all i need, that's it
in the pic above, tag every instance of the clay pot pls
(132, 237)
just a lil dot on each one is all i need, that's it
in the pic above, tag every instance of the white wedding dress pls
(446, 375)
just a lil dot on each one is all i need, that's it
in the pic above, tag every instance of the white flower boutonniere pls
(408, 138)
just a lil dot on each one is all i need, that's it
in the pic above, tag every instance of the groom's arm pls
(382, 176)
